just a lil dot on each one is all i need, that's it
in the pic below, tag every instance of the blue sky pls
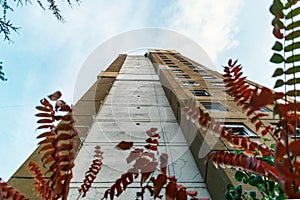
(47, 55)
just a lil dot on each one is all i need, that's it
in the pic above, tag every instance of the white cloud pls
(213, 24)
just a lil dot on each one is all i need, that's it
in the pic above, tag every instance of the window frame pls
(190, 83)
(214, 107)
(194, 92)
(246, 130)
(182, 76)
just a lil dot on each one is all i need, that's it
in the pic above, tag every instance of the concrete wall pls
(86, 109)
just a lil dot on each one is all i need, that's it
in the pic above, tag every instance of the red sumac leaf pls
(164, 162)
(44, 115)
(171, 191)
(158, 183)
(46, 134)
(45, 121)
(244, 143)
(55, 96)
(42, 108)
(294, 147)
(192, 193)
(181, 194)
(258, 125)
(229, 62)
(236, 140)
(152, 141)
(265, 151)
(134, 155)
(149, 167)
(151, 147)
(262, 98)
(123, 145)
(45, 126)
(152, 132)
(145, 176)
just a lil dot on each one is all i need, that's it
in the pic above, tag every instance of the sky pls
(48, 55)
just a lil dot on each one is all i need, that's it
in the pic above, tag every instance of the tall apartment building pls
(136, 93)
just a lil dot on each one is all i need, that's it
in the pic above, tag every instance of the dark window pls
(297, 133)
(190, 83)
(177, 71)
(173, 66)
(186, 63)
(195, 67)
(200, 71)
(241, 129)
(168, 60)
(182, 76)
(170, 63)
(214, 106)
(200, 93)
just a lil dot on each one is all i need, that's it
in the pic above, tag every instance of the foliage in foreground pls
(274, 170)
(58, 149)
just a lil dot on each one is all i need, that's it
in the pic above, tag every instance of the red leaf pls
(55, 96)
(158, 183)
(149, 167)
(171, 191)
(46, 134)
(294, 147)
(192, 193)
(229, 62)
(263, 98)
(244, 143)
(45, 126)
(145, 176)
(265, 151)
(181, 194)
(42, 108)
(152, 141)
(151, 147)
(277, 33)
(44, 115)
(134, 155)
(45, 121)
(258, 125)
(236, 140)
(163, 162)
(151, 132)
(280, 151)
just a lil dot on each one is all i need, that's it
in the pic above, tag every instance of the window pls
(297, 133)
(170, 63)
(200, 93)
(276, 126)
(177, 71)
(200, 71)
(240, 128)
(190, 83)
(167, 60)
(207, 76)
(173, 66)
(183, 76)
(218, 83)
(262, 109)
(194, 67)
(186, 63)
(214, 106)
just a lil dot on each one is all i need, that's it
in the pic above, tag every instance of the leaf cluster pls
(145, 165)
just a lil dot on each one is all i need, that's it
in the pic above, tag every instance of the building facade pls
(136, 93)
